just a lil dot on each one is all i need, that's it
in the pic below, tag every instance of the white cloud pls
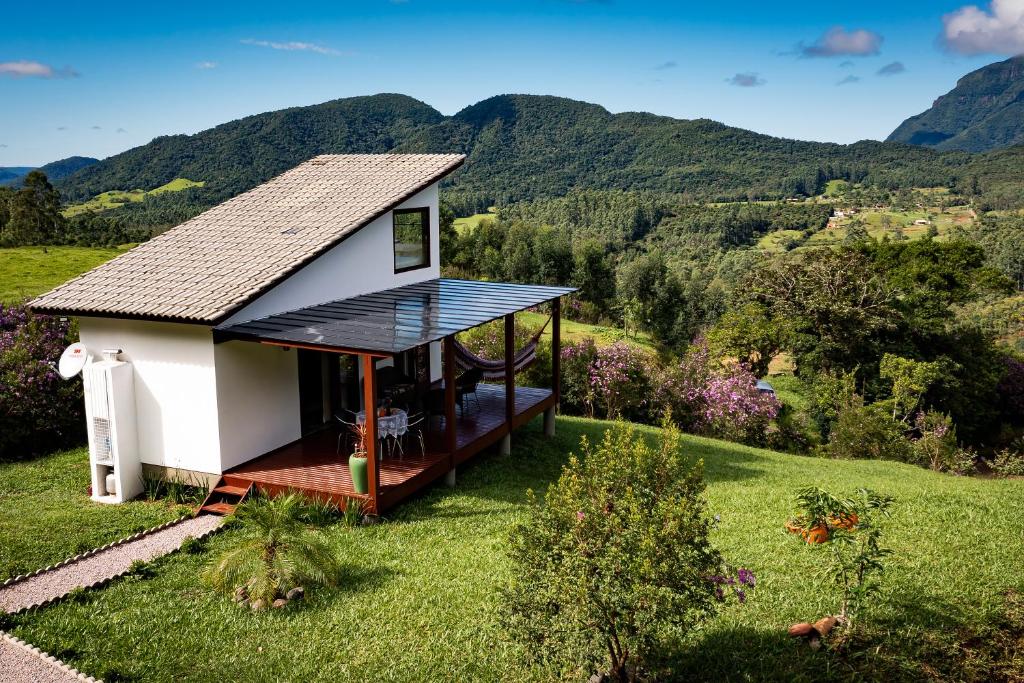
(206, 65)
(848, 80)
(838, 42)
(29, 69)
(293, 45)
(998, 29)
(746, 80)
(891, 69)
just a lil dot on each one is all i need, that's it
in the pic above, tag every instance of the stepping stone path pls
(18, 662)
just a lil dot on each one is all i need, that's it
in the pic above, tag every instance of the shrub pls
(853, 542)
(615, 568)
(936, 447)
(272, 551)
(613, 381)
(717, 399)
(868, 432)
(39, 411)
(1008, 463)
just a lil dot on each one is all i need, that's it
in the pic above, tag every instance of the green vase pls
(357, 468)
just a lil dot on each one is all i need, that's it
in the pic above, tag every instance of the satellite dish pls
(72, 360)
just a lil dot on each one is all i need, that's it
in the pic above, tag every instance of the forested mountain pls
(984, 111)
(55, 170)
(524, 147)
(8, 173)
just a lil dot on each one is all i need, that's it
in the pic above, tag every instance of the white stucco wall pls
(175, 388)
(362, 263)
(257, 399)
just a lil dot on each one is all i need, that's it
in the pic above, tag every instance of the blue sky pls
(98, 78)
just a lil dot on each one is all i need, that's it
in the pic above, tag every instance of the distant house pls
(248, 329)
(922, 221)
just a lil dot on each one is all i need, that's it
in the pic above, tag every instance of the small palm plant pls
(273, 551)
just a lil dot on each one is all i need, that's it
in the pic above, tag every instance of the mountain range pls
(984, 111)
(522, 147)
(55, 170)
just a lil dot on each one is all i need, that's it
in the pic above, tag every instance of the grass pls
(26, 272)
(467, 223)
(419, 594)
(574, 331)
(115, 198)
(46, 515)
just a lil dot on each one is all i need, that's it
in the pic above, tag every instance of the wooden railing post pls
(448, 369)
(370, 409)
(510, 371)
(556, 349)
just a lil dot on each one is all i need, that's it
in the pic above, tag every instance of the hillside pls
(519, 147)
(55, 170)
(984, 111)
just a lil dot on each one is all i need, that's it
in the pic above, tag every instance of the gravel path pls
(103, 565)
(18, 664)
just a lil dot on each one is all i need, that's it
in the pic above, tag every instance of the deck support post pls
(370, 410)
(448, 370)
(510, 382)
(556, 349)
(549, 422)
(449, 478)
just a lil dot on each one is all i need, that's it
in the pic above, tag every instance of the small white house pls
(333, 228)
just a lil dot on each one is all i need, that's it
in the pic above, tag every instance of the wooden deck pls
(312, 465)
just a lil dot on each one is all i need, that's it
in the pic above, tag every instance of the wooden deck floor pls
(313, 466)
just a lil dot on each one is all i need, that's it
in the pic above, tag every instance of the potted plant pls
(357, 461)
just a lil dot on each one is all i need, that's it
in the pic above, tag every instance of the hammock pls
(495, 369)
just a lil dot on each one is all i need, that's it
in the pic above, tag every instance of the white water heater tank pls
(110, 419)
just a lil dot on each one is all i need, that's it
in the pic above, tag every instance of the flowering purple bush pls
(721, 400)
(609, 380)
(39, 411)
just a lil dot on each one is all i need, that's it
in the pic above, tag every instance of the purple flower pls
(580, 515)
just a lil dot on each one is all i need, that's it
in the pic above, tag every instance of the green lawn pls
(46, 515)
(116, 198)
(418, 598)
(470, 222)
(29, 271)
(574, 331)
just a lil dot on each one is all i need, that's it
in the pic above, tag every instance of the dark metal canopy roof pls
(394, 320)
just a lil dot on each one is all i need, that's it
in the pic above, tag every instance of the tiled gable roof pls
(207, 267)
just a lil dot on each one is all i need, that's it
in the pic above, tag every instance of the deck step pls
(229, 490)
(223, 498)
(223, 509)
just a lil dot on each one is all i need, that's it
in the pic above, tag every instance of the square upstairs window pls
(412, 239)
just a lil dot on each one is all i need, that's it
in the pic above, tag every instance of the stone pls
(279, 603)
(241, 594)
(801, 630)
(297, 593)
(258, 605)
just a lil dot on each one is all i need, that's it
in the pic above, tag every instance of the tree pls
(593, 274)
(910, 380)
(616, 568)
(449, 236)
(839, 311)
(749, 334)
(35, 216)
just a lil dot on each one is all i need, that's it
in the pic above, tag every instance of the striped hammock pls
(494, 370)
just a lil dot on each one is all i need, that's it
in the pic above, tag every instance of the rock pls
(241, 595)
(279, 603)
(825, 625)
(801, 630)
(258, 605)
(297, 593)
